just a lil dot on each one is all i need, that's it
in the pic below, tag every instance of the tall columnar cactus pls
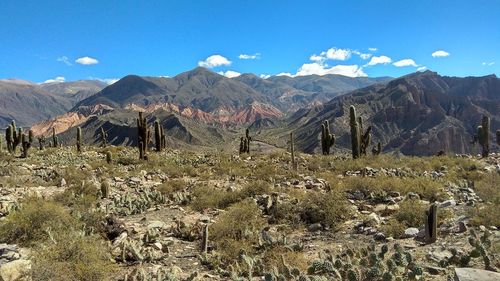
(104, 138)
(13, 137)
(377, 150)
(431, 224)
(245, 142)
(355, 133)
(143, 136)
(359, 141)
(160, 139)
(26, 143)
(327, 139)
(292, 151)
(204, 240)
(55, 139)
(109, 157)
(41, 142)
(483, 133)
(79, 139)
(498, 137)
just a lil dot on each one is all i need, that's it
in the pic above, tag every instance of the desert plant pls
(109, 157)
(79, 139)
(359, 141)
(376, 150)
(292, 152)
(55, 139)
(12, 137)
(41, 142)
(327, 139)
(143, 136)
(104, 138)
(160, 138)
(26, 143)
(482, 136)
(498, 137)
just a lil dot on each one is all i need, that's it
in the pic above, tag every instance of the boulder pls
(18, 270)
(473, 274)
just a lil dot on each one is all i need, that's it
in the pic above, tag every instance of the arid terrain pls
(102, 214)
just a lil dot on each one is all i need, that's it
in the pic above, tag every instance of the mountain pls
(27, 102)
(224, 97)
(418, 114)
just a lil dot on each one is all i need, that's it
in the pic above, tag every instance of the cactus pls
(79, 139)
(41, 142)
(104, 138)
(143, 136)
(109, 157)
(26, 143)
(104, 189)
(498, 137)
(12, 137)
(376, 150)
(292, 151)
(204, 241)
(431, 224)
(359, 141)
(327, 139)
(355, 133)
(55, 139)
(245, 142)
(160, 138)
(482, 136)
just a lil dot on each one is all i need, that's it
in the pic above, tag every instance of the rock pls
(462, 227)
(379, 236)
(448, 203)
(412, 195)
(315, 227)
(473, 274)
(435, 270)
(372, 220)
(158, 246)
(62, 183)
(411, 232)
(17, 270)
(156, 224)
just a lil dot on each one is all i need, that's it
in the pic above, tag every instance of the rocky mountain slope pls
(28, 102)
(418, 114)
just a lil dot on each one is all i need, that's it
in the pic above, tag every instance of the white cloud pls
(337, 54)
(372, 49)
(405, 62)
(214, 61)
(58, 79)
(86, 61)
(365, 56)
(422, 68)
(322, 69)
(488, 63)
(440, 53)
(264, 76)
(285, 74)
(317, 58)
(249, 57)
(229, 73)
(379, 60)
(65, 60)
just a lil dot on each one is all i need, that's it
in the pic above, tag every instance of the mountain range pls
(417, 114)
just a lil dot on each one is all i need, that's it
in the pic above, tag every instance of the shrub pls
(238, 228)
(330, 208)
(394, 228)
(411, 213)
(72, 257)
(34, 221)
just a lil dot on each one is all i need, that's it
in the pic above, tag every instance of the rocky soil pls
(152, 217)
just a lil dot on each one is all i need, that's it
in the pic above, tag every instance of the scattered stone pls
(18, 270)
(411, 232)
(315, 227)
(62, 183)
(473, 274)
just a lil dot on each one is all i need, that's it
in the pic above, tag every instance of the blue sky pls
(41, 40)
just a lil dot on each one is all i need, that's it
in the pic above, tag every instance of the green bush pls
(35, 221)
(330, 209)
(72, 257)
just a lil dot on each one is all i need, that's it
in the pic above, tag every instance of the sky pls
(71, 40)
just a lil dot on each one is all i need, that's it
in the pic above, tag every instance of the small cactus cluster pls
(245, 142)
(327, 139)
(141, 275)
(359, 141)
(160, 139)
(482, 136)
(104, 138)
(26, 143)
(356, 265)
(481, 246)
(143, 136)
(140, 251)
(79, 139)
(12, 137)
(55, 139)
(131, 204)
